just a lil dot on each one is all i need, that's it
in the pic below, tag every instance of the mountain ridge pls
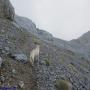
(73, 45)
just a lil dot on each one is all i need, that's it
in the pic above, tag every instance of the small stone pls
(21, 84)
(8, 42)
(13, 71)
(0, 82)
(3, 52)
(2, 31)
(1, 61)
(7, 48)
(2, 78)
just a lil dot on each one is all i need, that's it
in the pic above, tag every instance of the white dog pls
(34, 53)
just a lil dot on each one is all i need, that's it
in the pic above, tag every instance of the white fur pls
(34, 53)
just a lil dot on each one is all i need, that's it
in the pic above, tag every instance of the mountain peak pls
(85, 38)
(86, 34)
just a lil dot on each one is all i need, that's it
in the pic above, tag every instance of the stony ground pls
(63, 64)
(15, 40)
(54, 63)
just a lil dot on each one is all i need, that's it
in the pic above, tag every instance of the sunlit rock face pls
(6, 10)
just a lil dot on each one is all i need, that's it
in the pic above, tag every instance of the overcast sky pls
(65, 19)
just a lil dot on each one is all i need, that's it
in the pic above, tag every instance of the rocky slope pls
(13, 41)
(58, 60)
(66, 60)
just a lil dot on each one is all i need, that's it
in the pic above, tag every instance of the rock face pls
(26, 24)
(45, 35)
(6, 10)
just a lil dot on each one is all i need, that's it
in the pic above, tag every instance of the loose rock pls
(20, 57)
(13, 71)
(1, 61)
(2, 78)
(21, 84)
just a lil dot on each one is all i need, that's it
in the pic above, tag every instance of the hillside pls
(58, 60)
(82, 44)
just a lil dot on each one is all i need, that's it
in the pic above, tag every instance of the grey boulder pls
(20, 57)
(6, 10)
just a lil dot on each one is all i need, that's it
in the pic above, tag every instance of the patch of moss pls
(62, 61)
(47, 61)
(36, 41)
(62, 85)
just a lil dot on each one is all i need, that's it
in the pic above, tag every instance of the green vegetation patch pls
(62, 85)
(36, 41)
(62, 61)
(47, 61)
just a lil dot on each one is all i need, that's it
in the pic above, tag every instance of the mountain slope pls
(58, 59)
(66, 61)
(82, 44)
